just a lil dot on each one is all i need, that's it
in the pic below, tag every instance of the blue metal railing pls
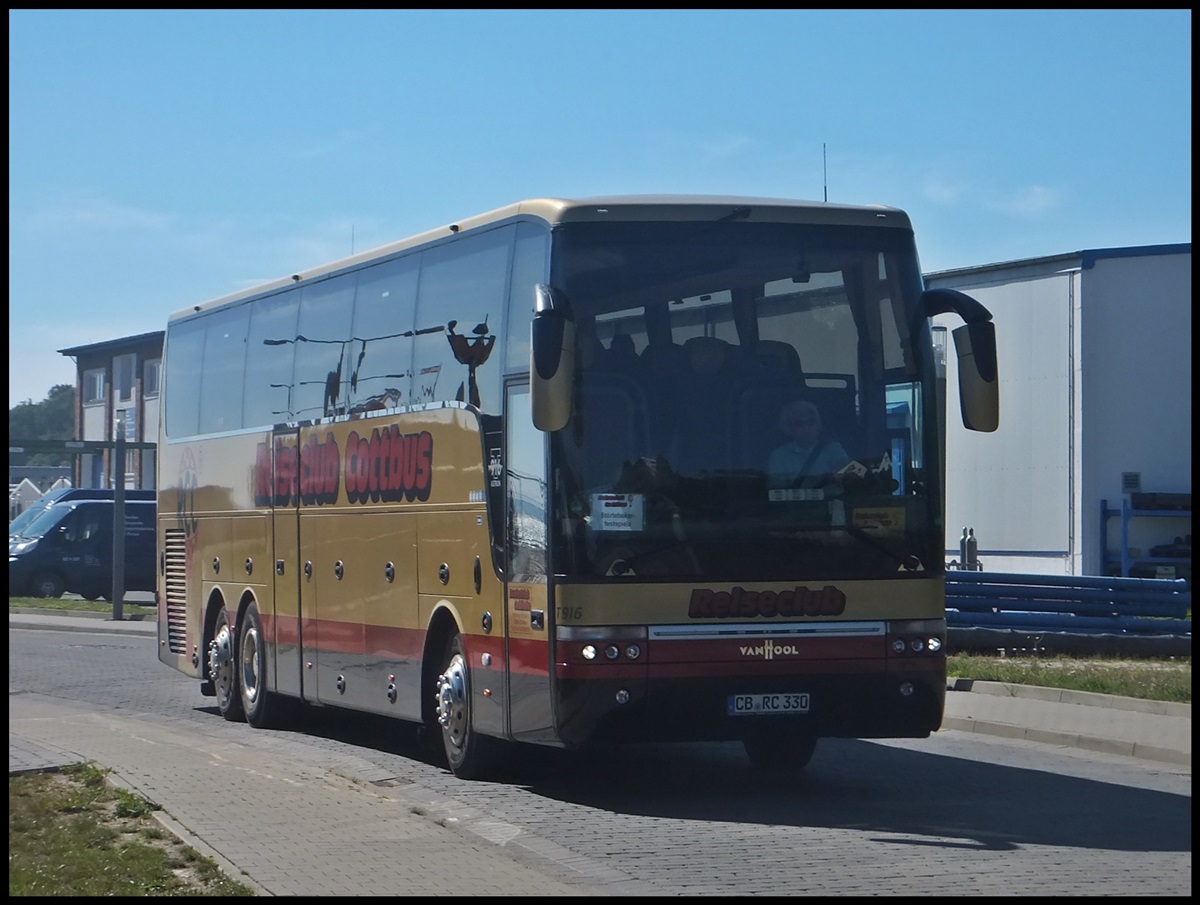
(1068, 603)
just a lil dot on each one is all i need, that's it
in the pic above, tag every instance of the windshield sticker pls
(795, 494)
(891, 518)
(618, 511)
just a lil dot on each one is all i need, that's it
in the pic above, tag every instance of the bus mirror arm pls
(951, 301)
(975, 349)
(551, 358)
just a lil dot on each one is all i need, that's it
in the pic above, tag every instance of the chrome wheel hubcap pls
(251, 670)
(452, 700)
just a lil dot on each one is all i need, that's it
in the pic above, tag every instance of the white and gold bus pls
(508, 480)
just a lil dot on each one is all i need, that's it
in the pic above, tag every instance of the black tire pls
(781, 752)
(222, 669)
(469, 754)
(263, 708)
(91, 595)
(46, 584)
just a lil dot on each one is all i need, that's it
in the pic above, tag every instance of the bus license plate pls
(758, 704)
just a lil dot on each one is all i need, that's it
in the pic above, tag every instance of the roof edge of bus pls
(551, 209)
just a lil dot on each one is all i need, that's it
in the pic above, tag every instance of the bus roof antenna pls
(825, 171)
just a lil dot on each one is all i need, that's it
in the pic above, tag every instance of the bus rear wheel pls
(222, 669)
(780, 752)
(263, 708)
(469, 754)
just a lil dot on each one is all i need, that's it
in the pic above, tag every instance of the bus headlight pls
(588, 642)
(921, 637)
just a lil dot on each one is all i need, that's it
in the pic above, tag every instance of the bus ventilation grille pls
(176, 584)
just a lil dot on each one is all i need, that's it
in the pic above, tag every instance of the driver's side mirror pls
(551, 359)
(975, 348)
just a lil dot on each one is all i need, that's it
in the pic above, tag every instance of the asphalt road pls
(957, 812)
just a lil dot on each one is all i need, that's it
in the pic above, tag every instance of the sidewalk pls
(225, 804)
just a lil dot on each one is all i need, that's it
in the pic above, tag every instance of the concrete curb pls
(1107, 724)
(1066, 696)
(129, 616)
(1071, 740)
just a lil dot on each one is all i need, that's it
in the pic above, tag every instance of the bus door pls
(528, 617)
(338, 570)
(284, 609)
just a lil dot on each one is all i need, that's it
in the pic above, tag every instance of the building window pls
(123, 377)
(128, 418)
(93, 386)
(150, 378)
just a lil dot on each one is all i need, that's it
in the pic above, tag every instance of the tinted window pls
(223, 371)
(381, 351)
(269, 352)
(322, 371)
(529, 268)
(463, 286)
(185, 355)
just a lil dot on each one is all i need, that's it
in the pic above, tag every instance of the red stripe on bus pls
(529, 656)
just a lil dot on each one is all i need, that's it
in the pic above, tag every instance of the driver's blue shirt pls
(786, 461)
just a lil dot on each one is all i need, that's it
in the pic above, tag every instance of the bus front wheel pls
(468, 753)
(222, 669)
(782, 752)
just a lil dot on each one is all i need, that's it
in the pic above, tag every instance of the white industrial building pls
(1095, 351)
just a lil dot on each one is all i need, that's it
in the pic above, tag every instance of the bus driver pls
(806, 455)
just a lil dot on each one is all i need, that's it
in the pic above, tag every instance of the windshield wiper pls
(909, 562)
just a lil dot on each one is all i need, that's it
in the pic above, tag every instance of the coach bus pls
(509, 480)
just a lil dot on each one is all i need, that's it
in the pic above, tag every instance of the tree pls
(51, 419)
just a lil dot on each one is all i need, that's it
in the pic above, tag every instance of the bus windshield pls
(753, 402)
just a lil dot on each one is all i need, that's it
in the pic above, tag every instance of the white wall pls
(1013, 486)
(1136, 349)
(95, 423)
(1095, 380)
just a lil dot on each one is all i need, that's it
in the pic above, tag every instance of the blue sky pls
(160, 158)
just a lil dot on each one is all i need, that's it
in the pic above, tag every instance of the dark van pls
(61, 494)
(68, 547)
